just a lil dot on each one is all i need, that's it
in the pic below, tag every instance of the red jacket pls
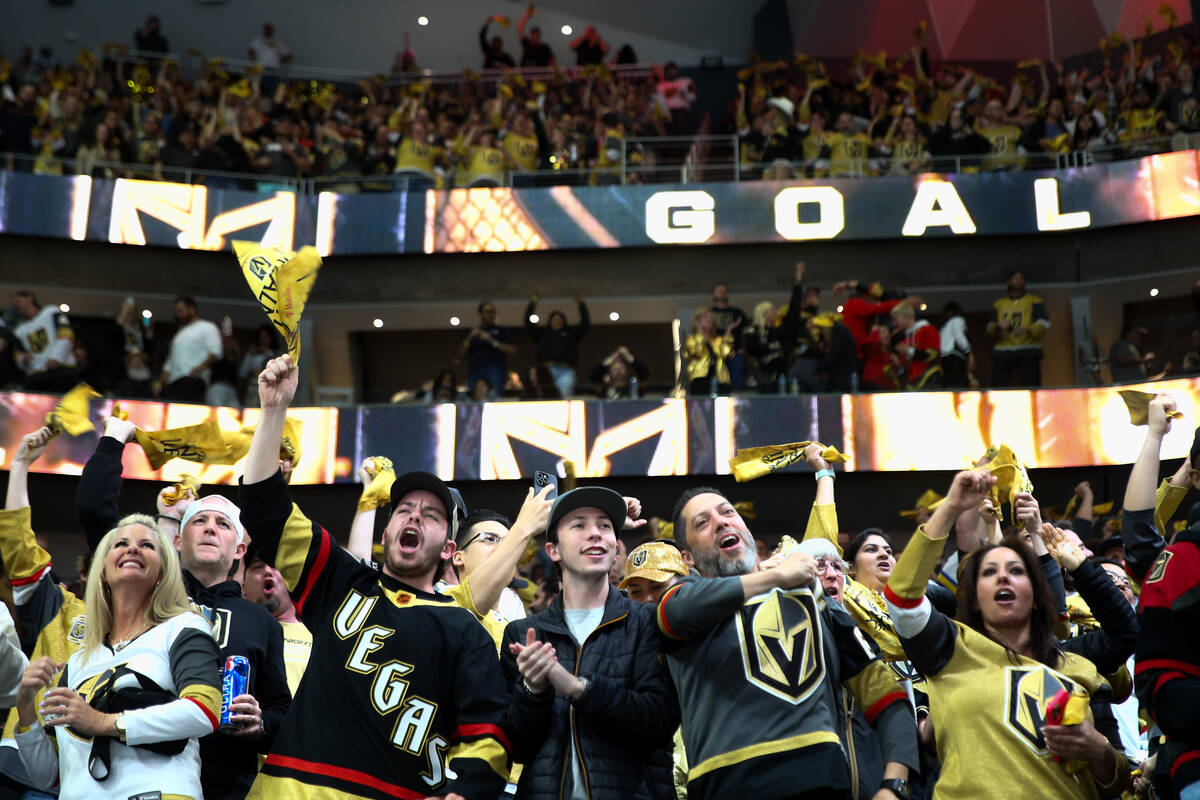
(920, 354)
(859, 311)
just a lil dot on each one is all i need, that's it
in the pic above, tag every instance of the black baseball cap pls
(456, 507)
(608, 501)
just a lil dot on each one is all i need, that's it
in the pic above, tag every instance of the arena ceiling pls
(978, 30)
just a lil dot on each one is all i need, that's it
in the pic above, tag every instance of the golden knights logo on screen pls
(781, 644)
(185, 208)
(1028, 690)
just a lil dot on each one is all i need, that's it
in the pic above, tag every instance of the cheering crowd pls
(906, 115)
(124, 116)
(584, 651)
(127, 115)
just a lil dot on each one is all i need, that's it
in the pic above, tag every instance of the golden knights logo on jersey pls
(1159, 568)
(781, 644)
(1028, 690)
(78, 630)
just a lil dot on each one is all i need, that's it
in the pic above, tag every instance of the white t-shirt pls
(954, 338)
(190, 347)
(39, 336)
(510, 606)
(581, 621)
(269, 53)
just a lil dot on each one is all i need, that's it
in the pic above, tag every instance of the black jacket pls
(229, 764)
(561, 346)
(242, 628)
(623, 723)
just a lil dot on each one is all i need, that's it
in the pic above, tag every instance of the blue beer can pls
(234, 681)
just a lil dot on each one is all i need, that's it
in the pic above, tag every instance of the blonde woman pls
(764, 343)
(707, 353)
(130, 704)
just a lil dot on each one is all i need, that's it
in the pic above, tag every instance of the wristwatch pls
(119, 724)
(898, 787)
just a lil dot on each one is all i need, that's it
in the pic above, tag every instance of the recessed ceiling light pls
(422, 20)
(455, 321)
(614, 316)
(378, 323)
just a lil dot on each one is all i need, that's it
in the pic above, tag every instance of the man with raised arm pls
(404, 681)
(1167, 673)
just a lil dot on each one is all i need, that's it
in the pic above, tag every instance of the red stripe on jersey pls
(207, 713)
(482, 729)
(883, 702)
(898, 601)
(34, 578)
(345, 774)
(315, 571)
(1191, 755)
(1168, 664)
(663, 625)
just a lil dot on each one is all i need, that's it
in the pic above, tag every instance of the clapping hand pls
(534, 660)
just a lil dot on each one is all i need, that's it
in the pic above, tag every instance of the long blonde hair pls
(169, 598)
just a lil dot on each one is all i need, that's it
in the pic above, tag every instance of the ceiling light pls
(455, 321)
(840, 309)
(63, 307)
(535, 319)
(567, 30)
(378, 323)
(147, 313)
(1154, 292)
(422, 20)
(614, 316)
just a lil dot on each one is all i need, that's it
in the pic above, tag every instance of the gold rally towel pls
(71, 414)
(1138, 404)
(754, 462)
(206, 443)
(280, 281)
(1011, 478)
(378, 493)
(187, 483)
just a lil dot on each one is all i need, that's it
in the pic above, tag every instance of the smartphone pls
(543, 479)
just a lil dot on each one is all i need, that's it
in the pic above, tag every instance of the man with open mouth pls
(405, 679)
(765, 646)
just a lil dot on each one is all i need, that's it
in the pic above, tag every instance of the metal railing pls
(191, 64)
(642, 160)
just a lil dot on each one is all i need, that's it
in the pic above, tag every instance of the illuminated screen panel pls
(1046, 427)
(21, 413)
(504, 441)
(197, 217)
(160, 213)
